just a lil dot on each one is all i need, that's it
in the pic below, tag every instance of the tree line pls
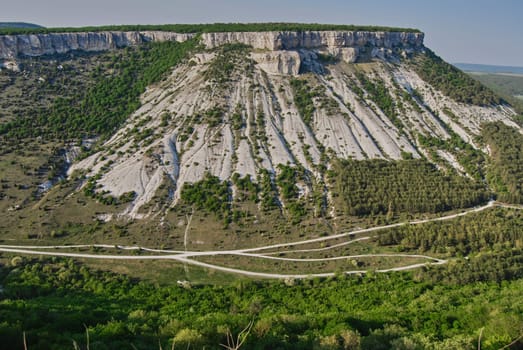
(212, 28)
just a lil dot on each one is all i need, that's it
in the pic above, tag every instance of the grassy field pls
(364, 263)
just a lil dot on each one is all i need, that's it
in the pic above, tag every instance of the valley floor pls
(256, 258)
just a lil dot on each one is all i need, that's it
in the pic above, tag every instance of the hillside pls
(304, 151)
(263, 120)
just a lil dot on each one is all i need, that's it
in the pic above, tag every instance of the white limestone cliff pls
(12, 46)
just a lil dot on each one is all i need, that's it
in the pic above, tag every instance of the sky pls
(470, 31)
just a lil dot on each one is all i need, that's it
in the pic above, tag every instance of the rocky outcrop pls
(345, 54)
(12, 46)
(10, 65)
(315, 39)
(278, 62)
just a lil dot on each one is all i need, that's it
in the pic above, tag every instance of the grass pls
(163, 271)
(307, 267)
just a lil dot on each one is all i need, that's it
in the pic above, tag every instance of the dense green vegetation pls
(213, 27)
(101, 109)
(498, 266)
(505, 169)
(452, 82)
(490, 241)
(303, 98)
(494, 230)
(376, 186)
(210, 194)
(55, 301)
(286, 180)
(246, 187)
(269, 195)
(47, 78)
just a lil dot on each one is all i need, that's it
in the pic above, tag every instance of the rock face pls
(12, 46)
(346, 45)
(278, 62)
(315, 39)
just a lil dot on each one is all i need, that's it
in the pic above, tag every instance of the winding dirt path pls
(187, 257)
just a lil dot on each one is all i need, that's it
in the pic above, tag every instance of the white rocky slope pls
(189, 125)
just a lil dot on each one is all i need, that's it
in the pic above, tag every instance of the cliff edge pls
(12, 46)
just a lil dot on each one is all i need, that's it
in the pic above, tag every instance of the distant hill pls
(4, 25)
(485, 68)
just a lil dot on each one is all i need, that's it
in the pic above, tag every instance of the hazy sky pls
(473, 31)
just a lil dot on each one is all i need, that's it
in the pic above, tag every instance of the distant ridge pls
(6, 25)
(485, 68)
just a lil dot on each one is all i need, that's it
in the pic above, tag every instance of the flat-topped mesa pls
(12, 46)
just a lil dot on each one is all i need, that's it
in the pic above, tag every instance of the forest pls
(505, 169)
(371, 187)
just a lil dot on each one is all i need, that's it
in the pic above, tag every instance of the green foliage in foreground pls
(214, 27)
(505, 170)
(54, 300)
(104, 107)
(371, 187)
(452, 82)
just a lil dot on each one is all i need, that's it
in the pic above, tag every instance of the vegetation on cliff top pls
(214, 27)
